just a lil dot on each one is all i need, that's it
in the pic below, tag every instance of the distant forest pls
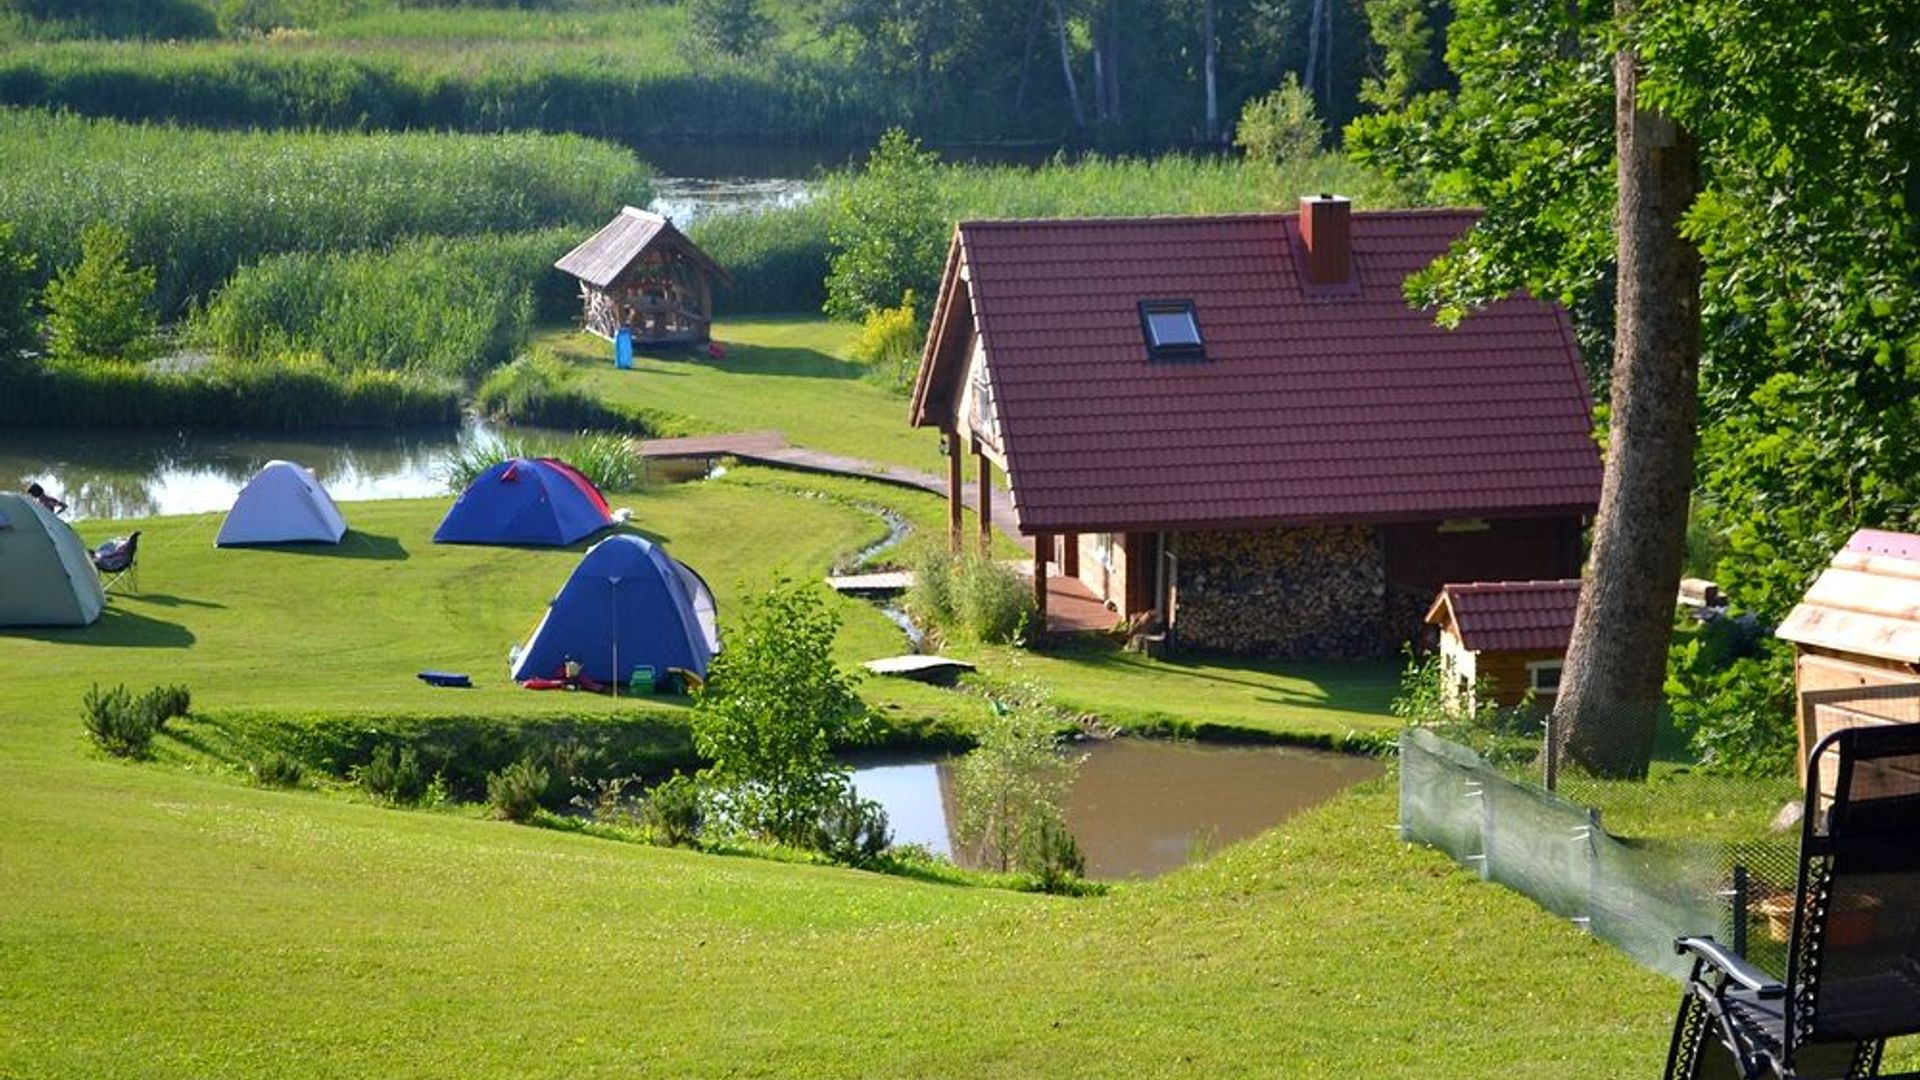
(1114, 74)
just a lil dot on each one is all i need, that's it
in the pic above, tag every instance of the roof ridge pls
(1188, 219)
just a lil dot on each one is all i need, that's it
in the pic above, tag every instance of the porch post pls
(1070, 554)
(986, 501)
(1041, 545)
(956, 487)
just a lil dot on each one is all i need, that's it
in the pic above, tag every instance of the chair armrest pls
(1723, 960)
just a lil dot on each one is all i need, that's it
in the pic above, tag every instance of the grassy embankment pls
(170, 922)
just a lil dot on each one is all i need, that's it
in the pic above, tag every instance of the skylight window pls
(1172, 329)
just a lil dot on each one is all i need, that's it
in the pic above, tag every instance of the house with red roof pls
(1234, 427)
(1506, 639)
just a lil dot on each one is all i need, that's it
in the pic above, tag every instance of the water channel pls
(1139, 807)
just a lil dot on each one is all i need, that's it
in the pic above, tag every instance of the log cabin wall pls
(1307, 593)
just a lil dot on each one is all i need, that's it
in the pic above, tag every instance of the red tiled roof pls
(1508, 615)
(1312, 404)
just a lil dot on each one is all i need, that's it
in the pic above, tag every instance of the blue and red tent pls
(526, 501)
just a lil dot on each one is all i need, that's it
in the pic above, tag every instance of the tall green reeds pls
(454, 308)
(199, 204)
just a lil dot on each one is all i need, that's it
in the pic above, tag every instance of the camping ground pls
(169, 919)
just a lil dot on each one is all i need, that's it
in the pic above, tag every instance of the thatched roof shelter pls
(641, 274)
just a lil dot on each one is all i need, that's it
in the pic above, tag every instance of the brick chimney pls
(1326, 226)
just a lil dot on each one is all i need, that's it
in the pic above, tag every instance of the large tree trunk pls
(1066, 64)
(1610, 691)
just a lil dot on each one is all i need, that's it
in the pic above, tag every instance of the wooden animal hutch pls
(1508, 638)
(1856, 637)
(641, 274)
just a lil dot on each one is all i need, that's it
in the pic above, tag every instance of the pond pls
(141, 473)
(1139, 807)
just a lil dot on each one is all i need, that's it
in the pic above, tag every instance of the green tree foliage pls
(101, 307)
(734, 27)
(888, 235)
(1281, 126)
(771, 713)
(18, 288)
(1012, 792)
(1403, 33)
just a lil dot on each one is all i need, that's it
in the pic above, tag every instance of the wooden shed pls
(1856, 637)
(1507, 638)
(642, 274)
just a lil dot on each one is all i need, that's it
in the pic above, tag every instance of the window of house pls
(1544, 677)
(1172, 329)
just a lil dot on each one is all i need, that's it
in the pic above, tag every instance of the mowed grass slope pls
(789, 374)
(162, 922)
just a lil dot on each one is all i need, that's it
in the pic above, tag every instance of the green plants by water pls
(515, 792)
(449, 307)
(196, 205)
(610, 460)
(392, 775)
(969, 596)
(540, 389)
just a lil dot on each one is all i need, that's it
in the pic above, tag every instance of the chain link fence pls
(1635, 862)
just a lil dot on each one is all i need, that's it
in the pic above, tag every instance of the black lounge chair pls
(1853, 955)
(117, 559)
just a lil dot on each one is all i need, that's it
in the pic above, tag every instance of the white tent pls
(282, 504)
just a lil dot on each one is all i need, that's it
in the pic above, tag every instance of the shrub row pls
(124, 723)
(199, 204)
(539, 389)
(461, 751)
(280, 394)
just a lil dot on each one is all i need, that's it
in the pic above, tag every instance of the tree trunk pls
(1610, 692)
(1026, 53)
(1113, 36)
(1212, 47)
(1314, 18)
(1066, 64)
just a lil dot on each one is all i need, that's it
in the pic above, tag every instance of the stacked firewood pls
(1310, 593)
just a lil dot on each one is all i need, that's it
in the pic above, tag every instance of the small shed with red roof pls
(640, 274)
(1235, 426)
(1504, 638)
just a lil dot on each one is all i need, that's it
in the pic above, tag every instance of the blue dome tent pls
(526, 501)
(628, 606)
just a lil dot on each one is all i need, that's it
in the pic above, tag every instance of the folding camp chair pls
(1853, 959)
(116, 560)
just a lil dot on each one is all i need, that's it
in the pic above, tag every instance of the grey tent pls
(46, 578)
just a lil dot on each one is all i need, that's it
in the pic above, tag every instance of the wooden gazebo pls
(642, 274)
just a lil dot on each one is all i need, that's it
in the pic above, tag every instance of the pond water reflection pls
(123, 474)
(1138, 807)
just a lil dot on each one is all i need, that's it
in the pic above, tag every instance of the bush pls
(853, 831)
(889, 344)
(990, 602)
(276, 770)
(674, 812)
(1281, 126)
(392, 776)
(888, 232)
(100, 308)
(515, 792)
(774, 706)
(1012, 787)
(164, 703)
(17, 294)
(119, 724)
(1052, 856)
(1732, 693)
(778, 259)
(929, 600)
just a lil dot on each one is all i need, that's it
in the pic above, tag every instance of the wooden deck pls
(772, 448)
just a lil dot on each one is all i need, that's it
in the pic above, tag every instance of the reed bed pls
(199, 204)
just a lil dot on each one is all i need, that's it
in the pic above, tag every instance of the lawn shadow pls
(789, 361)
(117, 628)
(170, 600)
(355, 545)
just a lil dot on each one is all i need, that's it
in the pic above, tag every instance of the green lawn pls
(162, 921)
(789, 374)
